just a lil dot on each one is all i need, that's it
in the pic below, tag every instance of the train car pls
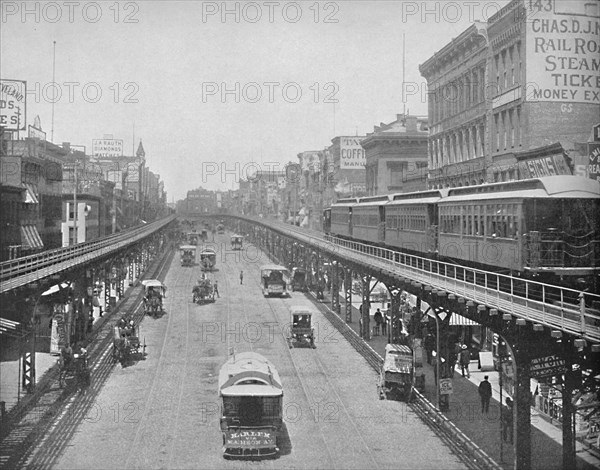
(411, 221)
(545, 225)
(251, 395)
(368, 218)
(341, 217)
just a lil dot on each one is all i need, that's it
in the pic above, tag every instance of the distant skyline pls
(213, 96)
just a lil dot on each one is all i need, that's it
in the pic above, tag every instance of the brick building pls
(505, 88)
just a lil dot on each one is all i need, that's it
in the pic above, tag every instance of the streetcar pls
(236, 242)
(187, 255)
(208, 259)
(275, 280)
(251, 396)
(193, 237)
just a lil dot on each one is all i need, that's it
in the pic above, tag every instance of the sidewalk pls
(11, 393)
(486, 430)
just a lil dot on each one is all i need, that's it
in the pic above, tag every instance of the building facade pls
(396, 156)
(525, 80)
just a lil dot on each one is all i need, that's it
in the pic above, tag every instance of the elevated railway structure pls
(66, 283)
(550, 330)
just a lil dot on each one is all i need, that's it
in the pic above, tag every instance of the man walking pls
(465, 359)
(241, 277)
(216, 288)
(485, 393)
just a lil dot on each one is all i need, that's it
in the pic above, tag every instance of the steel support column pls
(365, 330)
(348, 294)
(335, 288)
(568, 418)
(523, 411)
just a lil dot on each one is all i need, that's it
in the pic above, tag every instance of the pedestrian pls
(241, 277)
(465, 359)
(507, 421)
(378, 317)
(217, 289)
(453, 358)
(485, 393)
(428, 343)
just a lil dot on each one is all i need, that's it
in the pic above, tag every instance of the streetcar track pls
(136, 444)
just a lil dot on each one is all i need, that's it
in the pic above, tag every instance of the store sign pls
(545, 166)
(446, 387)
(562, 52)
(352, 155)
(594, 165)
(13, 100)
(35, 133)
(107, 148)
(547, 366)
(249, 439)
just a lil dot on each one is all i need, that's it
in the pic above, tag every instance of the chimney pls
(411, 124)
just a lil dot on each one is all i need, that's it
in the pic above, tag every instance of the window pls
(511, 127)
(497, 126)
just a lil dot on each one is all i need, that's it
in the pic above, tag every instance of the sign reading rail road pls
(547, 366)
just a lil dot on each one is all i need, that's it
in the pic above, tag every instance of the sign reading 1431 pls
(13, 95)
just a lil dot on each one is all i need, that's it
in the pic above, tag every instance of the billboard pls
(107, 148)
(352, 155)
(13, 99)
(561, 52)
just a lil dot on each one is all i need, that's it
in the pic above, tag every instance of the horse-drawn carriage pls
(73, 363)
(203, 292)
(397, 377)
(126, 341)
(204, 235)
(220, 228)
(301, 329)
(154, 294)
(208, 259)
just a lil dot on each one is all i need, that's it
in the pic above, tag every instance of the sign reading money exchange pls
(563, 46)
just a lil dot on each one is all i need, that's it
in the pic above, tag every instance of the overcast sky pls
(163, 67)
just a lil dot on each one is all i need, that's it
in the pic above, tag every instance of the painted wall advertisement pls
(562, 47)
(13, 98)
(594, 165)
(352, 155)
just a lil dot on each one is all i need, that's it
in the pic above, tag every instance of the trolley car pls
(208, 259)
(275, 280)
(301, 330)
(187, 255)
(236, 242)
(251, 396)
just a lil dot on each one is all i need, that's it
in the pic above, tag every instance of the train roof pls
(557, 187)
(374, 200)
(249, 374)
(187, 247)
(208, 251)
(301, 310)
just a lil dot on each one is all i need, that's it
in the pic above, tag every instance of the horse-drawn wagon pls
(301, 329)
(73, 363)
(397, 377)
(203, 292)
(154, 294)
(126, 341)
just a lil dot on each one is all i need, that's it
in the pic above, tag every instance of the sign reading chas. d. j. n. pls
(562, 45)
(250, 439)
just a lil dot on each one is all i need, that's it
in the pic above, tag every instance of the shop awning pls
(30, 197)
(30, 238)
(459, 320)
(10, 328)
